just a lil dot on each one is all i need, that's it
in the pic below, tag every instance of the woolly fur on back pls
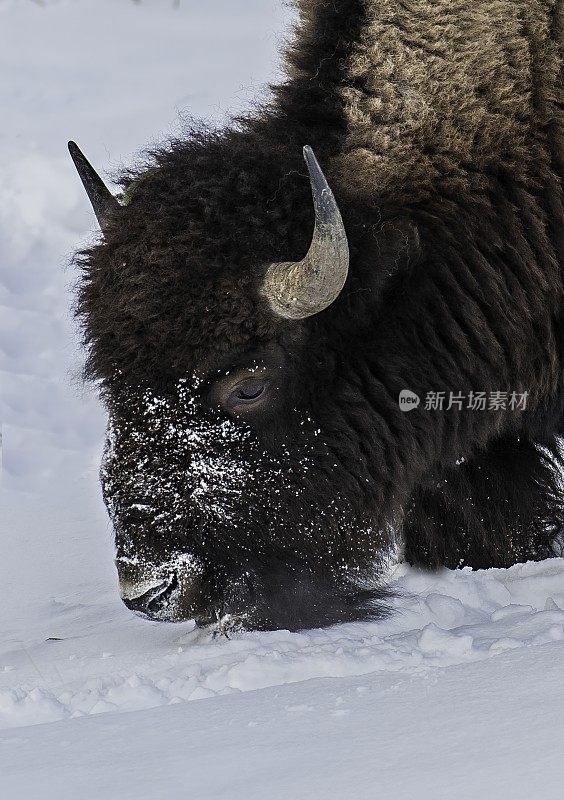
(436, 91)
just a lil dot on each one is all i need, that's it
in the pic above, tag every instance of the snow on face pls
(165, 460)
(195, 499)
(170, 474)
(176, 474)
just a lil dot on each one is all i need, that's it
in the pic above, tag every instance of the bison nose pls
(150, 601)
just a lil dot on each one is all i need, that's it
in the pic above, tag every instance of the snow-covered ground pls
(459, 694)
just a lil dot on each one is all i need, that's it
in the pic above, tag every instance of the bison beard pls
(282, 503)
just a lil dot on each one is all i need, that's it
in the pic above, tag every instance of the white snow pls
(459, 694)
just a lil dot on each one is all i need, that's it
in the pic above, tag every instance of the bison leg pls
(502, 507)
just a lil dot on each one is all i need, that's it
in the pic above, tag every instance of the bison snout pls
(154, 602)
(168, 592)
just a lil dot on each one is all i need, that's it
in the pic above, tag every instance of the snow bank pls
(487, 730)
(83, 654)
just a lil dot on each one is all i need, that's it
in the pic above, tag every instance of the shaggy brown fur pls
(439, 125)
(439, 93)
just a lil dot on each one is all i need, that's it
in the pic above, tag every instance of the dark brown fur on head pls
(439, 127)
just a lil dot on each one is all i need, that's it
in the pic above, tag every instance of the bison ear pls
(105, 205)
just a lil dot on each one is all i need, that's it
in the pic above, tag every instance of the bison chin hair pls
(279, 599)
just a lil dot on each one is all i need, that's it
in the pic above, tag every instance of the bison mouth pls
(156, 602)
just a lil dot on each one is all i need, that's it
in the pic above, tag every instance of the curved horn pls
(296, 290)
(103, 202)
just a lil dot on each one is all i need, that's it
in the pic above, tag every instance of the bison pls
(312, 370)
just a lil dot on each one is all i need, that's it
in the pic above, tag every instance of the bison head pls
(244, 472)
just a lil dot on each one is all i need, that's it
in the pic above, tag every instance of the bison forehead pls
(176, 280)
(152, 313)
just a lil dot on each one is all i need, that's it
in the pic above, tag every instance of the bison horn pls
(296, 290)
(103, 202)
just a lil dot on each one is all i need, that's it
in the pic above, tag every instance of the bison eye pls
(247, 392)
